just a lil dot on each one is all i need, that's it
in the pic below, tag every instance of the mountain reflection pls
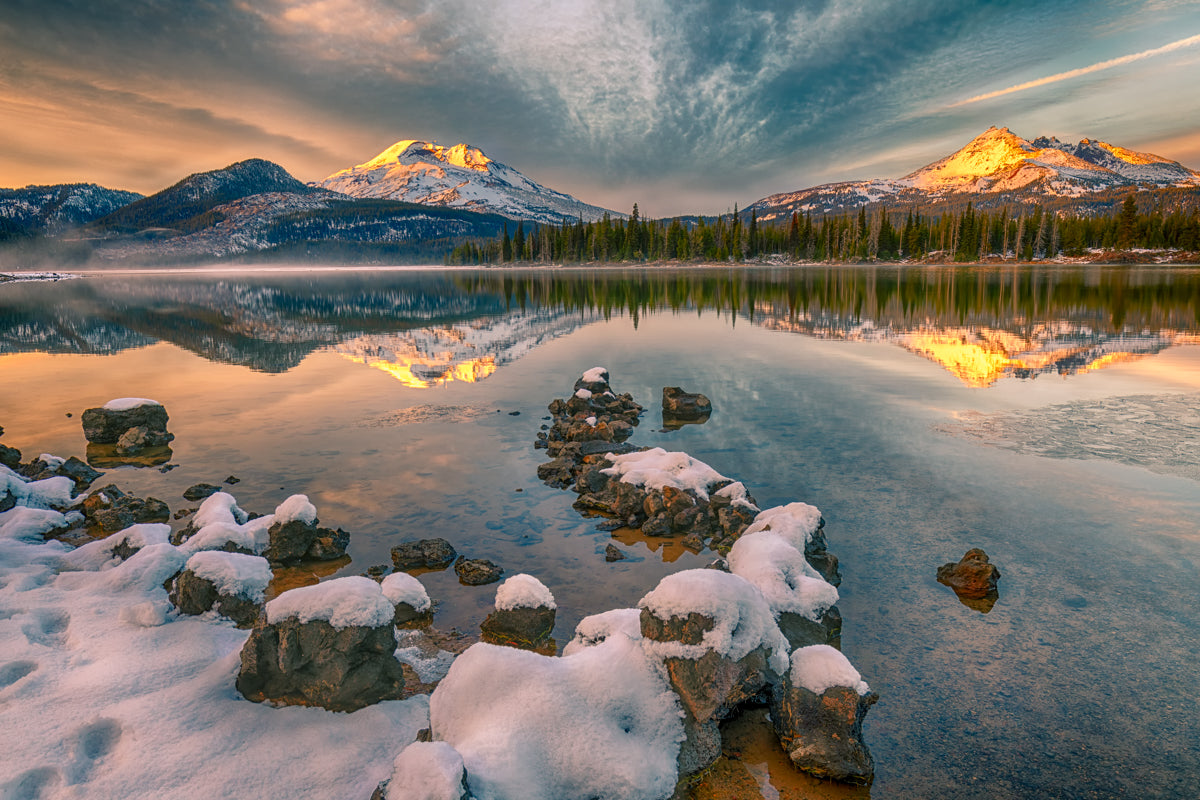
(982, 324)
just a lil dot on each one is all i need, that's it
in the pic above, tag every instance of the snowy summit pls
(461, 176)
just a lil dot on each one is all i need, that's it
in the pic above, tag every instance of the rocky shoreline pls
(647, 686)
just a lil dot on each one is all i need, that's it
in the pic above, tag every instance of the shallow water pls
(1049, 416)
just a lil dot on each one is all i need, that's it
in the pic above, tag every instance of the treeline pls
(1023, 234)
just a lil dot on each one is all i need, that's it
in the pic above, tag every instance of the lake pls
(1047, 414)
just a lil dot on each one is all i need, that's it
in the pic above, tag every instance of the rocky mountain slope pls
(459, 177)
(999, 168)
(53, 209)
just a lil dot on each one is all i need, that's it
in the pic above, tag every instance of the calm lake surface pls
(1050, 416)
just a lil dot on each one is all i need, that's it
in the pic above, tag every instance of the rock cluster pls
(110, 509)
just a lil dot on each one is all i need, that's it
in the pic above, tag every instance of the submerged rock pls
(200, 491)
(614, 553)
(973, 577)
(424, 554)
(110, 509)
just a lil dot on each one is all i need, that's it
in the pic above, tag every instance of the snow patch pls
(742, 620)
(342, 602)
(778, 570)
(427, 771)
(400, 587)
(127, 403)
(523, 591)
(233, 574)
(819, 667)
(796, 522)
(296, 507)
(656, 469)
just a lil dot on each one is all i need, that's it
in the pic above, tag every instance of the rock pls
(525, 628)
(614, 553)
(106, 426)
(297, 540)
(7, 500)
(200, 491)
(10, 456)
(195, 595)
(822, 734)
(314, 663)
(78, 471)
(680, 407)
(111, 509)
(800, 631)
(423, 554)
(232, 479)
(135, 440)
(477, 571)
(972, 577)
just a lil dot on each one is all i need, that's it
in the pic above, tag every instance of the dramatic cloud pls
(682, 106)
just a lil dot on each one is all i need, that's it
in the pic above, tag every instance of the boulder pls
(818, 718)
(200, 491)
(424, 554)
(330, 645)
(524, 614)
(106, 425)
(300, 540)
(525, 628)
(10, 456)
(477, 571)
(680, 408)
(39, 469)
(972, 577)
(192, 594)
(614, 553)
(413, 606)
(110, 509)
(800, 631)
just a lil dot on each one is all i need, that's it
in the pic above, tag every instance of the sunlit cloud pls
(1075, 73)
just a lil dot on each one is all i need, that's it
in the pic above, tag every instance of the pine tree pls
(1127, 223)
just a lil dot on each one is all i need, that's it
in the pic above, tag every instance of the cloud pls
(1075, 73)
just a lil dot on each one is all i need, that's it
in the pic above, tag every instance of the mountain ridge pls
(997, 168)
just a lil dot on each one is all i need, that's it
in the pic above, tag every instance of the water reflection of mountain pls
(426, 328)
(467, 351)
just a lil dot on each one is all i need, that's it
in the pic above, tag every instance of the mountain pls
(460, 177)
(177, 206)
(53, 209)
(999, 168)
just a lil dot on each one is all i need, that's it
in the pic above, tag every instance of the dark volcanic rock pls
(314, 663)
(423, 554)
(972, 577)
(477, 571)
(111, 509)
(525, 628)
(195, 595)
(200, 491)
(822, 734)
(105, 426)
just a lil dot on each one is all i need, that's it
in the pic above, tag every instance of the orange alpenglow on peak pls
(460, 155)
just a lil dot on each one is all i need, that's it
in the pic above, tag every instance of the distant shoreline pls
(1107, 258)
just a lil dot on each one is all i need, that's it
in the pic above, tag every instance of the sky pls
(683, 106)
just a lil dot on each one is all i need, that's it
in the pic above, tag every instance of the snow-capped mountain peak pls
(997, 168)
(416, 171)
